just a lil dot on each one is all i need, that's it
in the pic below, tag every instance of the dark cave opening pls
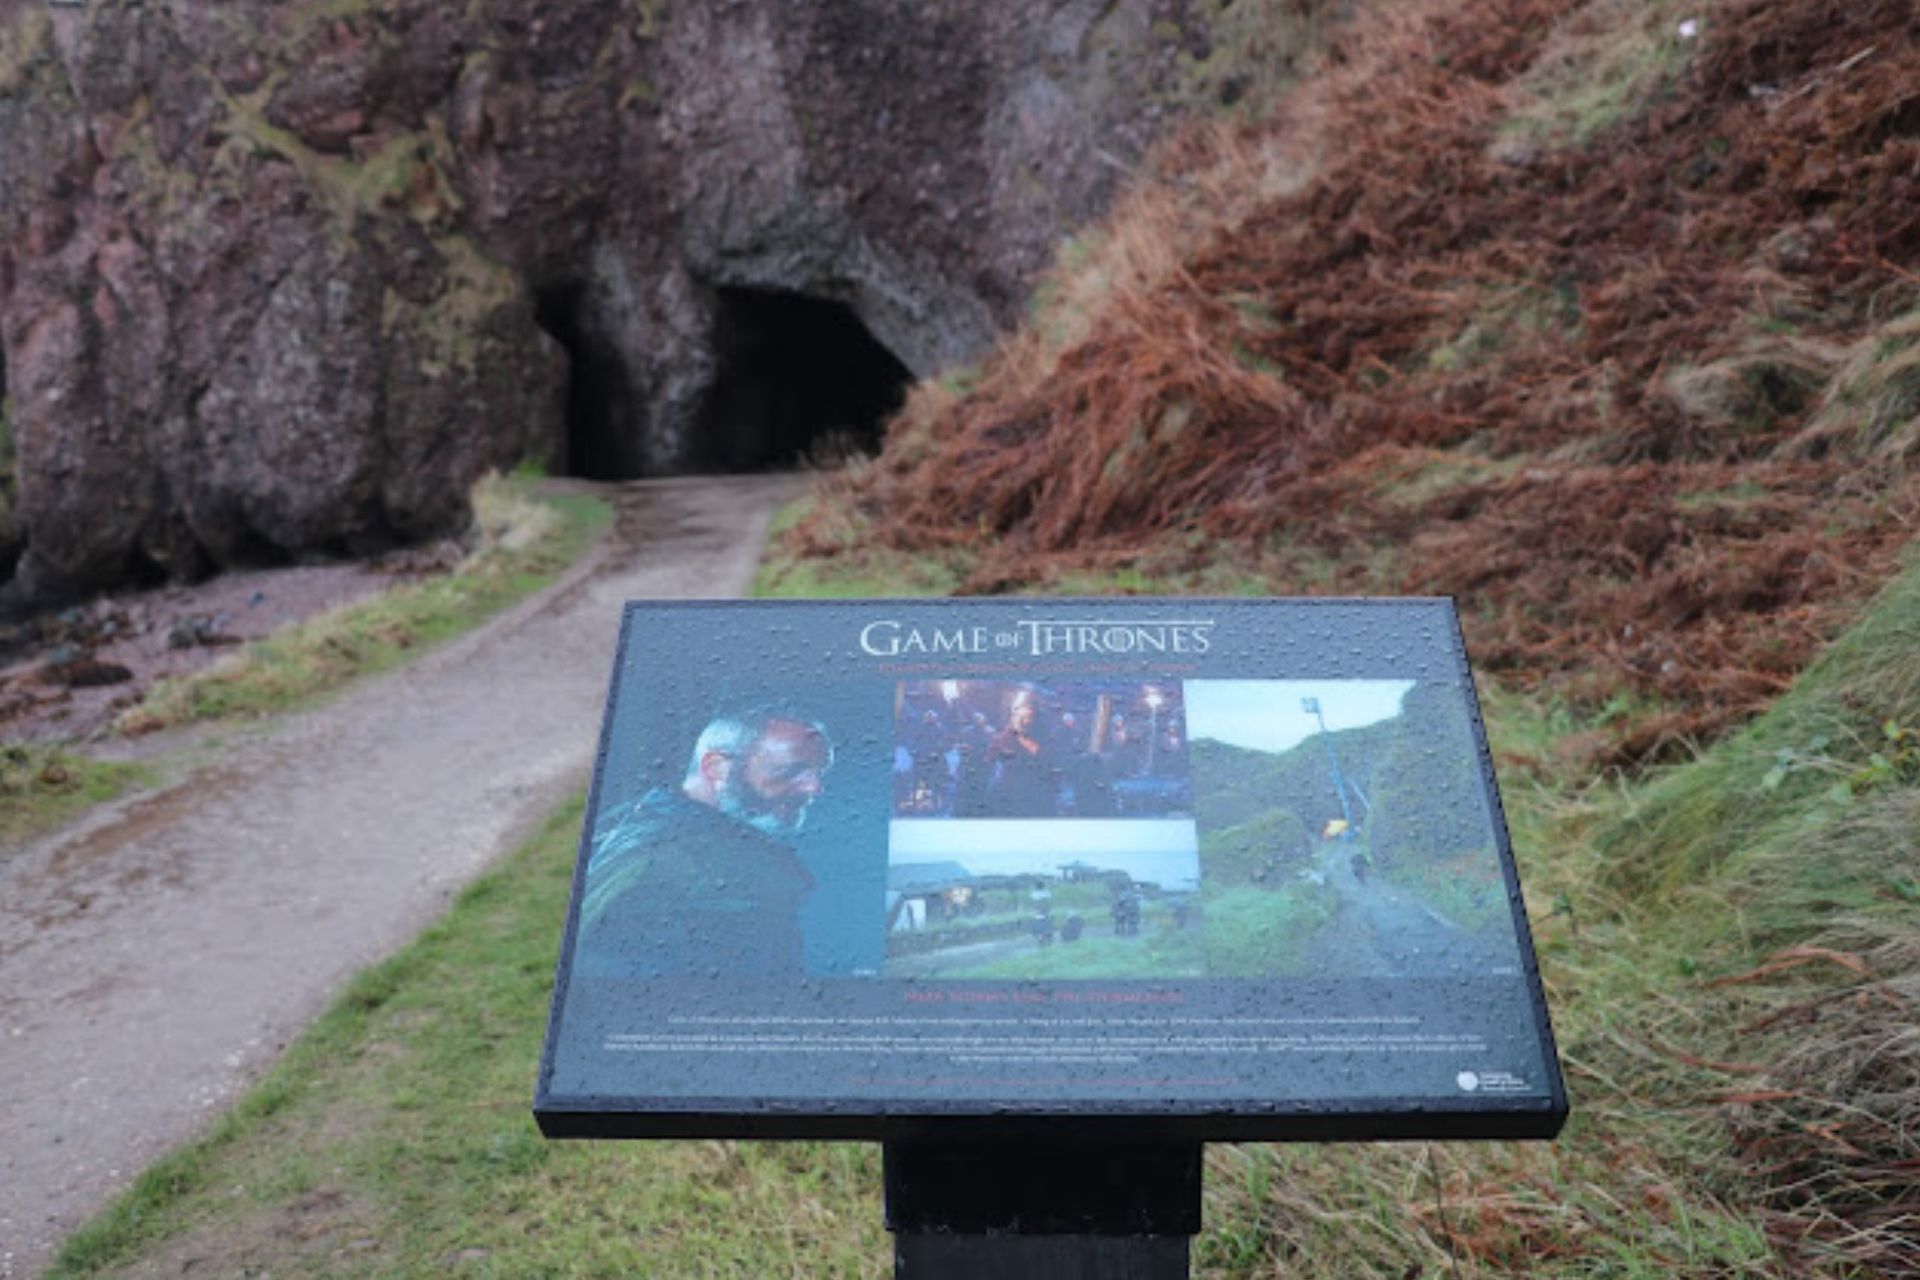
(796, 375)
(603, 437)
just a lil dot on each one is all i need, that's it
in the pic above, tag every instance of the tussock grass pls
(1388, 1211)
(1733, 961)
(1781, 874)
(1771, 381)
(857, 567)
(521, 543)
(1604, 64)
(1872, 408)
(1835, 736)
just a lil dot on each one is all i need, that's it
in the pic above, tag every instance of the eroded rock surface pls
(284, 278)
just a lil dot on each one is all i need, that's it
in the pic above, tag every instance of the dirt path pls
(1381, 931)
(152, 963)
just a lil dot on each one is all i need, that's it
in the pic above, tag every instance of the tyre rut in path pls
(153, 962)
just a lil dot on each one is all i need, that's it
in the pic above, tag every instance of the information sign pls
(1198, 870)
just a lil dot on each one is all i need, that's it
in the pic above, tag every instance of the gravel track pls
(156, 959)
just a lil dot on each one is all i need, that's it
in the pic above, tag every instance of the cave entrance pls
(795, 374)
(603, 437)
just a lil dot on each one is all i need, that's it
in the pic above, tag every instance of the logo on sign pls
(1041, 638)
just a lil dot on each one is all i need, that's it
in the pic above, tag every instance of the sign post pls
(1042, 1210)
(1044, 895)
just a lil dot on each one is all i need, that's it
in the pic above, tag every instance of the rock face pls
(284, 278)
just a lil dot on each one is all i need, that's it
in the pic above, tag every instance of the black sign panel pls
(1196, 869)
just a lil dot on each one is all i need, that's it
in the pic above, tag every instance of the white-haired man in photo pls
(702, 878)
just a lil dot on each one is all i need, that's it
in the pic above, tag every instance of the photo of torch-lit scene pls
(1019, 749)
(1025, 899)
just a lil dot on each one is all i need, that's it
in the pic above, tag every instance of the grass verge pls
(524, 543)
(1722, 1021)
(857, 567)
(396, 1139)
(43, 787)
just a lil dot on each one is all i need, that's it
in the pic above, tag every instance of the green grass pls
(42, 788)
(1609, 62)
(858, 570)
(1837, 737)
(1158, 952)
(1873, 404)
(526, 543)
(396, 1139)
(1182, 563)
(1261, 932)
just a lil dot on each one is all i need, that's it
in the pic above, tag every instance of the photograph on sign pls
(700, 856)
(1239, 864)
(1093, 898)
(1034, 749)
(1342, 831)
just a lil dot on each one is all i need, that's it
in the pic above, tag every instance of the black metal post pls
(1042, 1210)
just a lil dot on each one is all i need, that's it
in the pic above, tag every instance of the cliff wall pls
(284, 278)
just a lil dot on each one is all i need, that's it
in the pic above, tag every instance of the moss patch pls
(1605, 64)
(42, 788)
(23, 44)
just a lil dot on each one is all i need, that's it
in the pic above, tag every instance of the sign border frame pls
(1214, 1120)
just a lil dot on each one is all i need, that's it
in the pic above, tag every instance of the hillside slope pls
(1604, 318)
